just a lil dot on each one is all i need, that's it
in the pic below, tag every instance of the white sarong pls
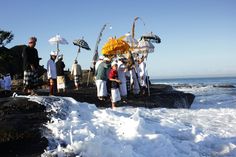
(123, 89)
(101, 88)
(61, 82)
(115, 95)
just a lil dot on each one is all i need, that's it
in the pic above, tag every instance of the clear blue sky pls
(198, 36)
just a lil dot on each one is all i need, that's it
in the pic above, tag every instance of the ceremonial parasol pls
(114, 47)
(82, 44)
(151, 37)
(56, 40)
(144, 46)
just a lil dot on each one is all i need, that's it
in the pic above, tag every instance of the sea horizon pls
(190, 77)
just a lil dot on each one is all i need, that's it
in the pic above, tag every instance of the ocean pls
(218, 92)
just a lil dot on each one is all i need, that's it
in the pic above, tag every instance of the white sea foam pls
(84, 130)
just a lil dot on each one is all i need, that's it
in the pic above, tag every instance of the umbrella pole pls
(57, 47)
(88, 77)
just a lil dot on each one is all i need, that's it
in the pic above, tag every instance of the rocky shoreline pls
(22, 120)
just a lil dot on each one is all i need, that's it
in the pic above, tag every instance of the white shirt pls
(142, 69)
(51, 69)
(76, 70)
(121, 72)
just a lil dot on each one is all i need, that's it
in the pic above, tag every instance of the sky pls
(198, 37)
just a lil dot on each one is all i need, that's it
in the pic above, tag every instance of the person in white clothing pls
(77, 72)
(52, 73)
(101, 79)
(122, 77)
(142, 74)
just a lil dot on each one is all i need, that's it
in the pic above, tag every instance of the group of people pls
(115, 79)
(55, 70)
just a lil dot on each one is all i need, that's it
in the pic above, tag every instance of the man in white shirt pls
(142, 74)
(122, 77)
(52, 73)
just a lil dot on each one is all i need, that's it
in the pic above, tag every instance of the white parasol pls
(56, 40)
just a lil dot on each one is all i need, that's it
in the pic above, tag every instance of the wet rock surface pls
(21, 122)
(160, 96)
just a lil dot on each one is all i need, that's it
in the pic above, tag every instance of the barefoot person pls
(52, 73)
(113, 77)
(30, 66)
(76, 71)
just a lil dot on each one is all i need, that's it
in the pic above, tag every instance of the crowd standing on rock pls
(115, 78)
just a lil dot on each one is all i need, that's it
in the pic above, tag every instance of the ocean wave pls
(191, 86)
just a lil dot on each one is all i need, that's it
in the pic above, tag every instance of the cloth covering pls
(122, 78)
(61, 82)
(101, 88)
(30, 78)
(115, 95)
(76, 79)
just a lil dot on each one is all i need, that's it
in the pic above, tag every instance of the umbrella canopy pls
(151, 37)
(115, 46)
(131, 41)
(81, 43)
(57, 40)
(144, 47)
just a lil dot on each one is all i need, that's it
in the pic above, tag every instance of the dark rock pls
(5, 93)
(161, 96)
(21, 122)
(11, 61)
